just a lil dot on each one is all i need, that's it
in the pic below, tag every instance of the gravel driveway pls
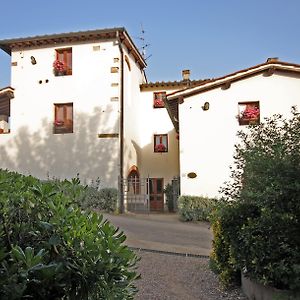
(172, 276)
(178, 277)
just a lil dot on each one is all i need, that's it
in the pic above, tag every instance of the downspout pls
(121, 139)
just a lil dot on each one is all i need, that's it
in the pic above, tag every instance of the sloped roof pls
(171, 84)
(5, 95)
(8, 45)
(7, 92)
(268, 68)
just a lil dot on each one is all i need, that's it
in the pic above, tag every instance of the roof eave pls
(7, 92)
(243, 74)
(172, 116)
(8, 45)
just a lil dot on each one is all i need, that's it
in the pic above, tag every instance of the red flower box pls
(160, 148)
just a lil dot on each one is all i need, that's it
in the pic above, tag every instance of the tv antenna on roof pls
(144, 45)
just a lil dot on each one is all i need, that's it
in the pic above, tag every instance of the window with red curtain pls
(160, 143)
(64, 56)
(63, 118)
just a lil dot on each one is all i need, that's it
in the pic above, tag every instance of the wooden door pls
(156, 193)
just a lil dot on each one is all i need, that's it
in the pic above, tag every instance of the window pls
(63, 118)
(4, 115)
(249, 113)
(134, 182)
(158, 99)
(63, 63)
(160, 143)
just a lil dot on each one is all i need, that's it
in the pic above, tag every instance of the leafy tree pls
(261, 219)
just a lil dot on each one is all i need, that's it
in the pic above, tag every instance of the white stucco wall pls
(156, 121)
(207, 138)
(32, 148)
(132, 107)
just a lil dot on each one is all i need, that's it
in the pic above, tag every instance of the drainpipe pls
(121, 139)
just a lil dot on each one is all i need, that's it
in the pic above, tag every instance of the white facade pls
(114, 122)
(94, 89)
(155, 121)
(207, 137)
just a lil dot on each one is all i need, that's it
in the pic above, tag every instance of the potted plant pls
(250, 115)
(58, 123)
(59, 68)
(158, 103)
(160, 148)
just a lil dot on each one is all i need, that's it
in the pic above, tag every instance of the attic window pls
(249, 113)
(158, 99)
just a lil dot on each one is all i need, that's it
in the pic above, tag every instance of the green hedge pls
(257, 230)
(52, 249)
(193, 208)
(104, 199)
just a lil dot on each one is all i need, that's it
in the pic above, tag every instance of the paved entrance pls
(164, 232)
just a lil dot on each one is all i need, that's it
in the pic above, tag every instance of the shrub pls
(109, 197)
(104, 199)
(227, 221)
(168, 190)
(193, 208)
(261, 222)
(51, 249)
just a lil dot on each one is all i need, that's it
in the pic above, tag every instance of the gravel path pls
(178, 277)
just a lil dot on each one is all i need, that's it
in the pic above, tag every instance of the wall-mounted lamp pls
(33, 60)
(205, 106)
(192, 175)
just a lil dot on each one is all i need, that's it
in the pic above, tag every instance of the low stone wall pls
(256, 291)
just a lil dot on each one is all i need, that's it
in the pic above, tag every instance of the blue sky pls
(211, 38)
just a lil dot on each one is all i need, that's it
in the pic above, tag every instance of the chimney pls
(272, 59)
(186, 75)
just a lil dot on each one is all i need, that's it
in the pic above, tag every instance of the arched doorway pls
(133, 180)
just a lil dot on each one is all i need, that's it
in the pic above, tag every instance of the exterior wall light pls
(33, 60)
(205, 106)
(192, 175)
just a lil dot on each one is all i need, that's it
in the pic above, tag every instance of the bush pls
(104, 199)
(168, 190)
(51, 249)
(193, 208)
(261, 222)
(227, 221)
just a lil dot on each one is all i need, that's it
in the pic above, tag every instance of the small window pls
(63, 62)
(63, 118)
(158, 99)
(249, 113)
(160, 143)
